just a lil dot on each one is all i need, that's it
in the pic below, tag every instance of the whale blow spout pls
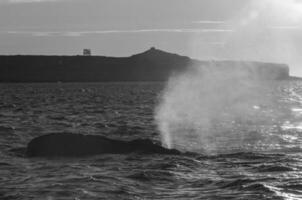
(75, 145)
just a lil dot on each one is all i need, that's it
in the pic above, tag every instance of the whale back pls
(75, 145)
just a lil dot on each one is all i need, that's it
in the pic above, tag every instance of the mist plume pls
(205, 102)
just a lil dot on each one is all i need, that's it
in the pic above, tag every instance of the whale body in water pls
(73, 145)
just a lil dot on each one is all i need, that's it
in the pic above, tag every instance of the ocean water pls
(267, 166)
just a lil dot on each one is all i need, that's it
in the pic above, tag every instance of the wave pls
(273, 168)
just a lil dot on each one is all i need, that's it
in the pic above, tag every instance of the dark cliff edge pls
(151, 65)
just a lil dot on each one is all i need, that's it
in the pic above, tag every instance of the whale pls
(76, 145)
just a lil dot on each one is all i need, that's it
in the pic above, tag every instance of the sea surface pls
(272, 169)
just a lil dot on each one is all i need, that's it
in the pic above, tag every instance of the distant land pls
(151, 65)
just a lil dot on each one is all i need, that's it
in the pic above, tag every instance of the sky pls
(264, 30)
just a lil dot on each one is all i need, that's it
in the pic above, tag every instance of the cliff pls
(151, 65)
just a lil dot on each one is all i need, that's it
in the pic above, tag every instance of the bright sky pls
(266, 30)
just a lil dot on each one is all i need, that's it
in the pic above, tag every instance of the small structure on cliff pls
(86, 52)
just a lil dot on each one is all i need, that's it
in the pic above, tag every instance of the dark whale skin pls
(76, 145)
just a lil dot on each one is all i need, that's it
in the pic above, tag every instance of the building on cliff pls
(86, 52)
